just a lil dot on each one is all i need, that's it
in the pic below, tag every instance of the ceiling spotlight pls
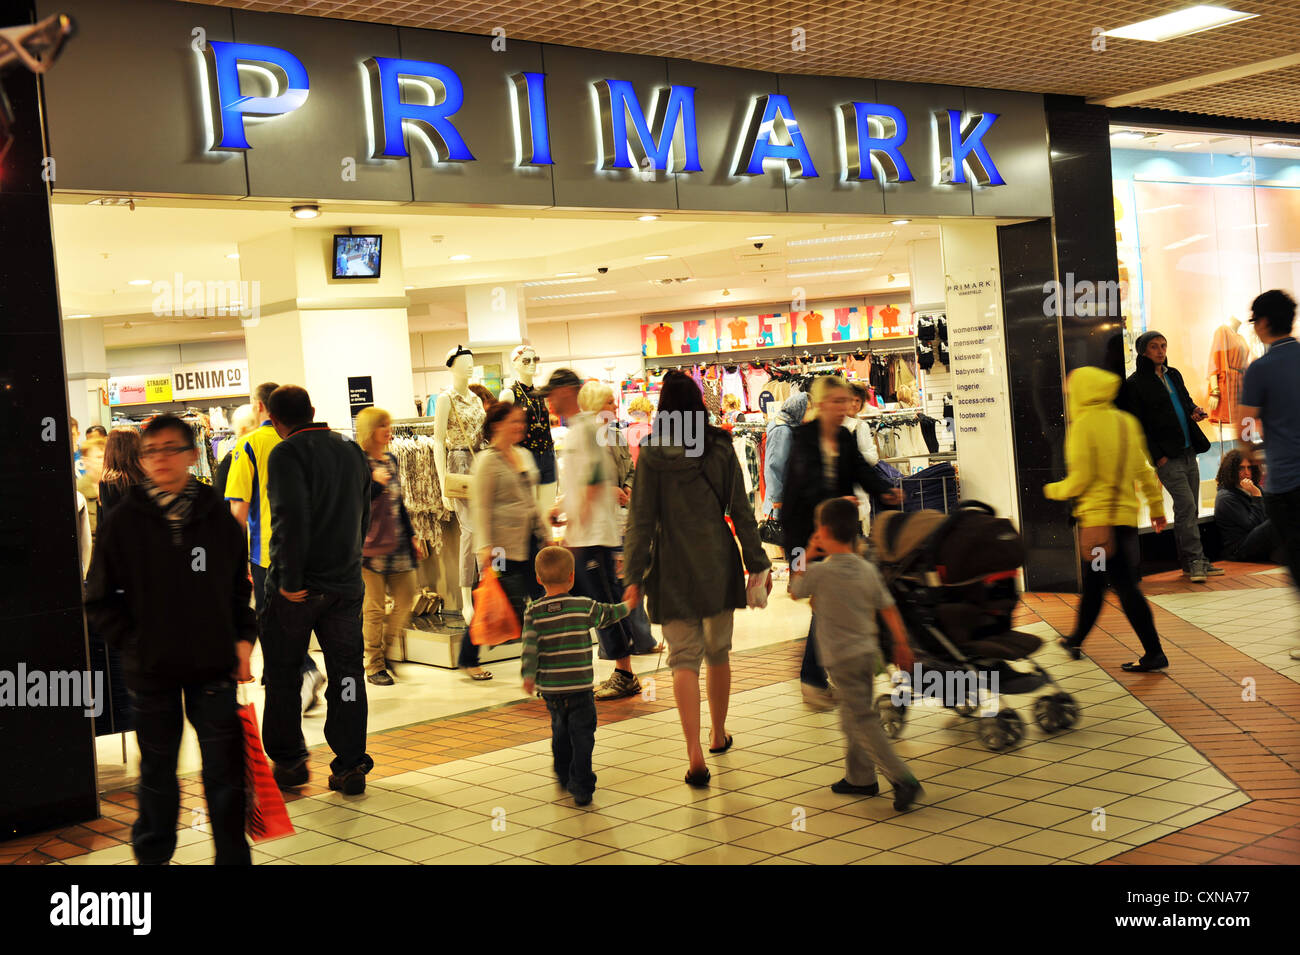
(1187, 145)
(232, 255)
(726, 291)
(305, 212)
(140, 282)
(460, 257)
(899, 221)
(646, 218)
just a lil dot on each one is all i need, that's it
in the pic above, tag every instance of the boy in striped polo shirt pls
(557, 661)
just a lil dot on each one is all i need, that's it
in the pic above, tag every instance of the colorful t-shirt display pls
(738, 328)
(813, 324)
(663, 339)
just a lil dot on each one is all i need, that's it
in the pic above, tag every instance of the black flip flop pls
(699, 780)
(1140, 667)
(721, 749)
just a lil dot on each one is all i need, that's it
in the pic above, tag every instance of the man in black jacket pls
(319, 487)
(824, 462)
(1156, 396)
(168, 586)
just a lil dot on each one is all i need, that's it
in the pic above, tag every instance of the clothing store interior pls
(186, 306)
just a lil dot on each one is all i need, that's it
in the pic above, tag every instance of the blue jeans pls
(286, 628)
(573, 737)
(259, 601)
(594, 577)
(159, 721)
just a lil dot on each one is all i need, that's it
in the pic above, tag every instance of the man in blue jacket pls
(319, 488)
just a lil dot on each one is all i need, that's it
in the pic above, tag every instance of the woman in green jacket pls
(1106, 455)
(680, 546)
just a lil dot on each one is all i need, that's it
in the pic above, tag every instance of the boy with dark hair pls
(557, 661)
(1270, 407)
(168, 586)
(847, 592)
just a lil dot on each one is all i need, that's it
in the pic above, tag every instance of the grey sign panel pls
(925, 195)
(124, 101)
(817, 101)
(485, 122)
(300, 154)
(724, 99)
(576, 136)
(1017, 141)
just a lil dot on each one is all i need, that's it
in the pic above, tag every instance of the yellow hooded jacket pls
(1097, 432)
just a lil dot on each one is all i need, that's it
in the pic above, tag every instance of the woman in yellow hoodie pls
(1106, 456)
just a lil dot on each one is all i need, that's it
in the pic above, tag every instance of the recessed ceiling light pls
(1180, 23)
(232, 255)
(565, 275)
(570, 281)
(79, 316)
(1187, 145)
(646, 218)
(757, 238)
(545, 298)
(461, 257)
(834, 258)
(408, 287)
(305, 212)
(820, 240)
(656, 258)
(140, 282)
(899, 221)
(1281, 144)
(1127, 135)
(813, 275)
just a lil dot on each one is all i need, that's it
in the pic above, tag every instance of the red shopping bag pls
(494, 619)
(265, 814)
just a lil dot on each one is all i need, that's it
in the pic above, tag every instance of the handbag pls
(770, 532)
(1102, 537)
(456, 487)
(265, 814)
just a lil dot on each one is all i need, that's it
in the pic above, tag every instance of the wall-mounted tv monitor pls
(357, 256)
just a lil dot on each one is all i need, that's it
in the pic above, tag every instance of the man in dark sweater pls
(168, 586)
(318, 484)
(1156, 396)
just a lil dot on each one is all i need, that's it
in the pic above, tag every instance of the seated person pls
(1247, 533)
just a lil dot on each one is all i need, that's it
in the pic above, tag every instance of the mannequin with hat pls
(537, 426)
(457, 434)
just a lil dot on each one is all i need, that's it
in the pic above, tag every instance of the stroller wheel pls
(965, 709)
(1002, 731)
(1056, 712)
(892, 716)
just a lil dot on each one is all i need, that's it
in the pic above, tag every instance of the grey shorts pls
(692, 641)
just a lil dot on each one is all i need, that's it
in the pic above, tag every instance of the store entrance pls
(186, 307)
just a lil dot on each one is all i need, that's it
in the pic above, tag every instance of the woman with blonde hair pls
(391, 550)
(598, 398)
(640, 410)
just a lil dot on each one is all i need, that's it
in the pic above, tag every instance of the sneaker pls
(1213, 571)
(1295, 654)
(846, 788)
(1197, 574)
(818, 697)
(620, 684)
(379, 679)
(905, 794)
(351, 783)
(583, 800)
(312, 681)
(290, 777)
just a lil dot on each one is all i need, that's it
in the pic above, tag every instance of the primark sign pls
(217, 102)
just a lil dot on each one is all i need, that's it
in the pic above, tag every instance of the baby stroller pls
(953, 578)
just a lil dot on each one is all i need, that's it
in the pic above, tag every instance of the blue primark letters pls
(431, 121)
(665, 138)
(229, 105)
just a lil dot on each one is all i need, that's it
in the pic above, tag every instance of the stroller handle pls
(976, 505)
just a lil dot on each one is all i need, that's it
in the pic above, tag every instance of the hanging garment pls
(925, 328)
(691, 340)
(663, 339)
(739, 328)
(843, 330)
(924, 356)
(889, 315)
(1229, 355)
(755, 381)
(813, 324)
(734, 384)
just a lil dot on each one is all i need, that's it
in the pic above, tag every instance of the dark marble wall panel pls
(48, 751)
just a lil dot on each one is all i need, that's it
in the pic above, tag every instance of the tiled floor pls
(1162, 769)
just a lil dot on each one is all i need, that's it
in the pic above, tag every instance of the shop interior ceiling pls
(1249, 69)
(673, 262)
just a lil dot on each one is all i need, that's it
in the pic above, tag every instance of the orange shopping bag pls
(265, 814)
(494, 619)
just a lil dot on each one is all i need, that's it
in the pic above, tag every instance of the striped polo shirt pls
(557, 641)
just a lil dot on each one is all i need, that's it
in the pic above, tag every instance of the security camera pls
(758, 245)
(603, 269)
